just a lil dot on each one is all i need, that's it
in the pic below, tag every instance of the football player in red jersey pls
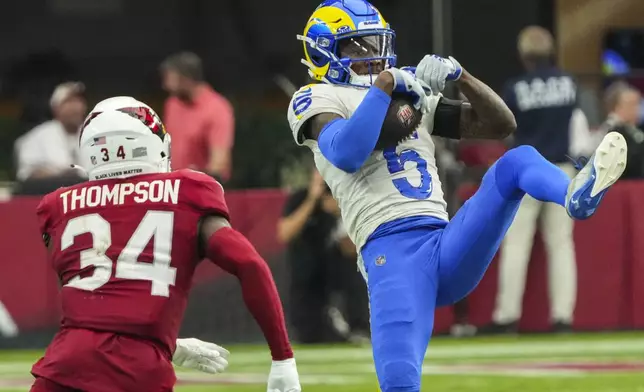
(125, 245)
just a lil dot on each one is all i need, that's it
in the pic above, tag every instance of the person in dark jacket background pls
(544, 103)
(321, 259)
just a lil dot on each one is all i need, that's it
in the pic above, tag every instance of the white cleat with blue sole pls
(603, 169)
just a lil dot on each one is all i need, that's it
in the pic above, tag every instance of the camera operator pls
(322, 261)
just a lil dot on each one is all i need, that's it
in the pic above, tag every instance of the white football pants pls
(557, 233)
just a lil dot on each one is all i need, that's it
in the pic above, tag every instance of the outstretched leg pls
(471, 239)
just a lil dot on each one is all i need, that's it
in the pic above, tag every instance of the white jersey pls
(395, 183)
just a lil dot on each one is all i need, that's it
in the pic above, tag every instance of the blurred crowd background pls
(221, 74)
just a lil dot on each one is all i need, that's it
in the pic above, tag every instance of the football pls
(401, 121)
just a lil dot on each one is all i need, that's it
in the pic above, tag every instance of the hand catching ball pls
(401, 121)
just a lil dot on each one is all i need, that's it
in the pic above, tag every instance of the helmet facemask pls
(355, 58)
(368, 56)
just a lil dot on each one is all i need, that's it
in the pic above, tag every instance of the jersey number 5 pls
(396, 164)
(155, 224)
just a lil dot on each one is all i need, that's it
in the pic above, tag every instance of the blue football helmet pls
(347, 42)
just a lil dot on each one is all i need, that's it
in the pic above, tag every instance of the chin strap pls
(355, 80)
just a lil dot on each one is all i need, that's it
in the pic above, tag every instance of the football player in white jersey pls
(391, 199)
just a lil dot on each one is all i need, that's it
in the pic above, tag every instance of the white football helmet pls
(122, 137)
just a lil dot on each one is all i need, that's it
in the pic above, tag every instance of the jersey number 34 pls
(396, 164)
(155, 224)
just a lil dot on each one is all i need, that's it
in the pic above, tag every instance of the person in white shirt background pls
(50, 149)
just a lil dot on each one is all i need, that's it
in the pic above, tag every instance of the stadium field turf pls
(567, 363)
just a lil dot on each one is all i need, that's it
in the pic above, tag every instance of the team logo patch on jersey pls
(380, 260)
(406, 115)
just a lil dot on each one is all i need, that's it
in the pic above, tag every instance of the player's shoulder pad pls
(47, 211)
(306, 99)
(202, 192)
(311, 100)
(50, 206)
(197, 176)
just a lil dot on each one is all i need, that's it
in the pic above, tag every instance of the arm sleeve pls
(221, 129)
(348, 143)
(234, 254)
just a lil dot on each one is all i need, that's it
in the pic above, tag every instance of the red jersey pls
(125, 251)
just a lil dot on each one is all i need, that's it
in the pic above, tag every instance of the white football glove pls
(412, 70)
(203, 356)
(406, 83)
(435, 71)
(283, 377)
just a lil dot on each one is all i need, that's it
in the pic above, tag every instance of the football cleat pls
(602, 170)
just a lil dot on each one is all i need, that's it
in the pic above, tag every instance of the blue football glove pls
(406, 83)
(435, 71)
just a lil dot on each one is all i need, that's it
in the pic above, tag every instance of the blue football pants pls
(412, 272)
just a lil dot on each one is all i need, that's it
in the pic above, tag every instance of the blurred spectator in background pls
(476, 158)
(544, 103)
(322, 261)
(32, 78)
(200, 120)
(45, 154)
(453, 169)
(623, 106)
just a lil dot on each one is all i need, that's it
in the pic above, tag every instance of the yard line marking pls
(475, 350)
(225, 379)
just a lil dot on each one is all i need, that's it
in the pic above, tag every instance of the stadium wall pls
(610, 258)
